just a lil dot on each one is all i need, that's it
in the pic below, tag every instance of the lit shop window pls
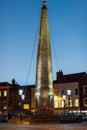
(76, 103)
(5, 93)
(56, 104)
(62, 103)
(26, 106)
(0, 94)
(70, 103)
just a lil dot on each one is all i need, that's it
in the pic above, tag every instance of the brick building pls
(77, 83)
(11, 101)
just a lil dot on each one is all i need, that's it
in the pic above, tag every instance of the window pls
(62, 92)
(5, 93)
(70, 103)
(76, 103)
(62, 103)
(56, 104)
(0, 93)
(26, 106)
(85, 102)
(86, 90)
(5, 105)
(76, 91)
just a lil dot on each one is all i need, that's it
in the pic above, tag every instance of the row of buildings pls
(11, 100)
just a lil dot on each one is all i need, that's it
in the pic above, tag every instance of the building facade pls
(4, 99)
(11, 101)
(76, 101)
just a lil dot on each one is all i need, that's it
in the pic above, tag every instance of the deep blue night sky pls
(19, 30)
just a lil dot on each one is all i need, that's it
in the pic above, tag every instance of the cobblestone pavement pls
(76, 126)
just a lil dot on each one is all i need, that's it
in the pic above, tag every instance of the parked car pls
(85, 117)
(3, 118)
(13, 115)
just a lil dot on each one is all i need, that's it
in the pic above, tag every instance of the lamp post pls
(21, 96)
(64, 98)
(69, 93)
(20, 92)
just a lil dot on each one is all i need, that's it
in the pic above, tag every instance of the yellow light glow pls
(33, 110)
(0, 93)
(55, 98)
(56, 104)
(5, 107)
(5, 93)
(57, 101)
(26, 106)
(76, 103)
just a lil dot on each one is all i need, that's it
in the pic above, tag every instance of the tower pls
(44, 83)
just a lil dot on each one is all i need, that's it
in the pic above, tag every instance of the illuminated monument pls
(44, 93)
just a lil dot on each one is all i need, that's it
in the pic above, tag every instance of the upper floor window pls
(0, 94)
(85, 89)
(76, 91)
(5, 93)
(62, 92)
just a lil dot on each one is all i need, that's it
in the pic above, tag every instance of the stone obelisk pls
(44, 93)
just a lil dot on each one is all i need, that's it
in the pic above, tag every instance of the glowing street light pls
(64, 97)
(22, 96)
(20, 92)
(69, 92)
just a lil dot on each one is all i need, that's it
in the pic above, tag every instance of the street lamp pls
(20, 92)
(21, 98)
(69, 93)
(64, 98)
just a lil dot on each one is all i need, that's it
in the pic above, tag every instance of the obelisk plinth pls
(44, 93)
